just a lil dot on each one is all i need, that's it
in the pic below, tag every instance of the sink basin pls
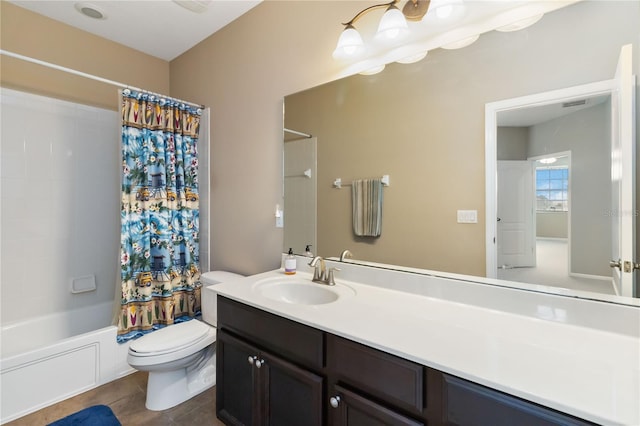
(300, 291)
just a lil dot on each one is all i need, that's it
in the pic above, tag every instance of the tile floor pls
(126, 398)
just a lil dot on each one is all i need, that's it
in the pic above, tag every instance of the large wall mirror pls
(423, 125)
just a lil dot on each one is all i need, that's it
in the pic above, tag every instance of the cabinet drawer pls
(470, 404)
(379, 374)
(294, 341)
(351, 409)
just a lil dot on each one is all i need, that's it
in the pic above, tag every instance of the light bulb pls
(392, 25)
(349, 44)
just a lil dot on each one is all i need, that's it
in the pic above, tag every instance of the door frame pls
(569, 191)
(605, 87)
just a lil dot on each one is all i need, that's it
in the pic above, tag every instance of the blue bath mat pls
(98, 415)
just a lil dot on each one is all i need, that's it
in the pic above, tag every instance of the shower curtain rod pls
(89, 76)
(295, 132)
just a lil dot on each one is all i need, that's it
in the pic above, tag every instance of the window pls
(552, 187)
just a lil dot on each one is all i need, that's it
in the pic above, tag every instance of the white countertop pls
(590, 373)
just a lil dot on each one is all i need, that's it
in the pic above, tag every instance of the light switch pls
(467, 216)
(279, 217)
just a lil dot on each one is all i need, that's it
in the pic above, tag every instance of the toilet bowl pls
(180, 358)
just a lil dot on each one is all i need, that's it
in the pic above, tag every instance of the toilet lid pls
(170, 338)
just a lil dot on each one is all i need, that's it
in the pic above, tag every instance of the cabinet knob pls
(259, 362)
(252, 359)
(334, 401)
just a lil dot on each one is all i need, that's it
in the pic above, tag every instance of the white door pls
(623, 176)
(516, 219)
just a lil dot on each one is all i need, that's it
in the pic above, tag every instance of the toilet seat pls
(171, 339)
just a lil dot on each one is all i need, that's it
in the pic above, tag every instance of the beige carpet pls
(552, 270)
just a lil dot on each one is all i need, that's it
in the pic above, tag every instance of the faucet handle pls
(331, 280)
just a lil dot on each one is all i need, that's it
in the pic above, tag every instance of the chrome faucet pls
(320, 273)
(346, 254)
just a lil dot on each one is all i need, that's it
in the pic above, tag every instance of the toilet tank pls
(209, 280)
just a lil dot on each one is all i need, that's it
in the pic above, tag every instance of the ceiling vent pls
(90, 10)
(197, 6)
(574, 103)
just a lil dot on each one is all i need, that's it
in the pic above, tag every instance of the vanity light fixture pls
(374, 70)
(413, 58)
(549, 160)
(520, 25)
(447, 9)
(392, 27)
(461, 43)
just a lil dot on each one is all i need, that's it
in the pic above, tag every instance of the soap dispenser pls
(290, 263)
(307, 251)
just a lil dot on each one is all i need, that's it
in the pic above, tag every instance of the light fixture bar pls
(366, 10)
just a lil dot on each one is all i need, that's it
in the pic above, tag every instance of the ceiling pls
(160, 28)
(525, 117)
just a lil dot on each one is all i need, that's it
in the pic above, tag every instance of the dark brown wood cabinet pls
(371, 386)
(259, 388)
(470, 404)
(352, 409)
(274, 371)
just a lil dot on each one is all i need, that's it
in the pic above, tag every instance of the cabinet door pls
(236, 380)
(350, 409)
(378, 374)
(291, 395)
(469, 404)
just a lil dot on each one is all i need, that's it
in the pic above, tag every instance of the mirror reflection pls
(423, 124)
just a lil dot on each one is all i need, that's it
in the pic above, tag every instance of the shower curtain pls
(159, 214)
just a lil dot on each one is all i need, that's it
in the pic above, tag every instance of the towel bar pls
(338, 182)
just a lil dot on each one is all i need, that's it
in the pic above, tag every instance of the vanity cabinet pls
(371, 387)
(269, 369)
(467, 403)
(259, 388)
(353, 409)
(274, 371)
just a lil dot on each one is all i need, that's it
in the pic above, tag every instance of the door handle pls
(616, 264)
(499, 219)
(629, 266)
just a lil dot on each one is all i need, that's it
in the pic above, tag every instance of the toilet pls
(181, 358)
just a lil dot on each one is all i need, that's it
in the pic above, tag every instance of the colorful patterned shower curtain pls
(159, 214)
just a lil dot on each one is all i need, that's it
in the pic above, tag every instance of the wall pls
(552, 225)
(511, 143)
(586, 134)
(424, 126)
(33, 35)
(243, 72)
(59, 225)
(59, 197)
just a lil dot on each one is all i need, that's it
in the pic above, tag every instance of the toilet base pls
(166, 389)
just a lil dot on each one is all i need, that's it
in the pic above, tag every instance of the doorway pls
(551, 126)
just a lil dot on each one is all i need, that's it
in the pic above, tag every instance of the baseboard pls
(590, 277)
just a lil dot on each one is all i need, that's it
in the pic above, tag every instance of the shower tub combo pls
(51, 358)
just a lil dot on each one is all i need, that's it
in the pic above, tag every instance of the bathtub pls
(48, 359)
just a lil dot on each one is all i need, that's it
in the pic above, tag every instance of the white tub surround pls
(576, 356)
(54, 357)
